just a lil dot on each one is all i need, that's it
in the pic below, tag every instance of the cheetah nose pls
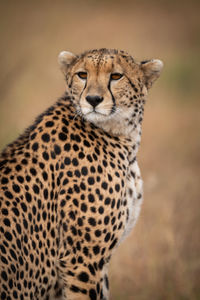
(94, 100)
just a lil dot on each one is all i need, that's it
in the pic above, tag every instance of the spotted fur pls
(71, 188)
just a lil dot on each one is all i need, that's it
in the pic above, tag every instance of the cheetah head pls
(109, 87)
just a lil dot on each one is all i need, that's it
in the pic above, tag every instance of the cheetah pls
(71, 188)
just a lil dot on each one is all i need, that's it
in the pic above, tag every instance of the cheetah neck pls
(128, 131)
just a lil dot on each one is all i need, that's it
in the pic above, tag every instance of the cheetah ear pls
(65, 58)
(151, 69)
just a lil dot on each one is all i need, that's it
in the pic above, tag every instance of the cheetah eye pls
(116, 76)
(82, 75)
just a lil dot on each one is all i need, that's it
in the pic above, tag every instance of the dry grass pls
(160, 260)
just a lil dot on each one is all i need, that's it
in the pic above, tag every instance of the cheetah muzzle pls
(71, 188)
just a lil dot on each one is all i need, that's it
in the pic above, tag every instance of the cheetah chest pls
(132, 197)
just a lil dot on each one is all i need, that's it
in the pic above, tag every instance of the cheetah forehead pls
(96, 58)
(107, 57)
(105, 54)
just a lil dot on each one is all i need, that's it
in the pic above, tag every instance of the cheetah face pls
(108, 84)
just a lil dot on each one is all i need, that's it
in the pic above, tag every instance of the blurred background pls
(161, 258)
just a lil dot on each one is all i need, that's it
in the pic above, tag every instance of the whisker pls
(77, 113)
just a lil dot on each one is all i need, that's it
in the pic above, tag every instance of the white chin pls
(95, 117)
